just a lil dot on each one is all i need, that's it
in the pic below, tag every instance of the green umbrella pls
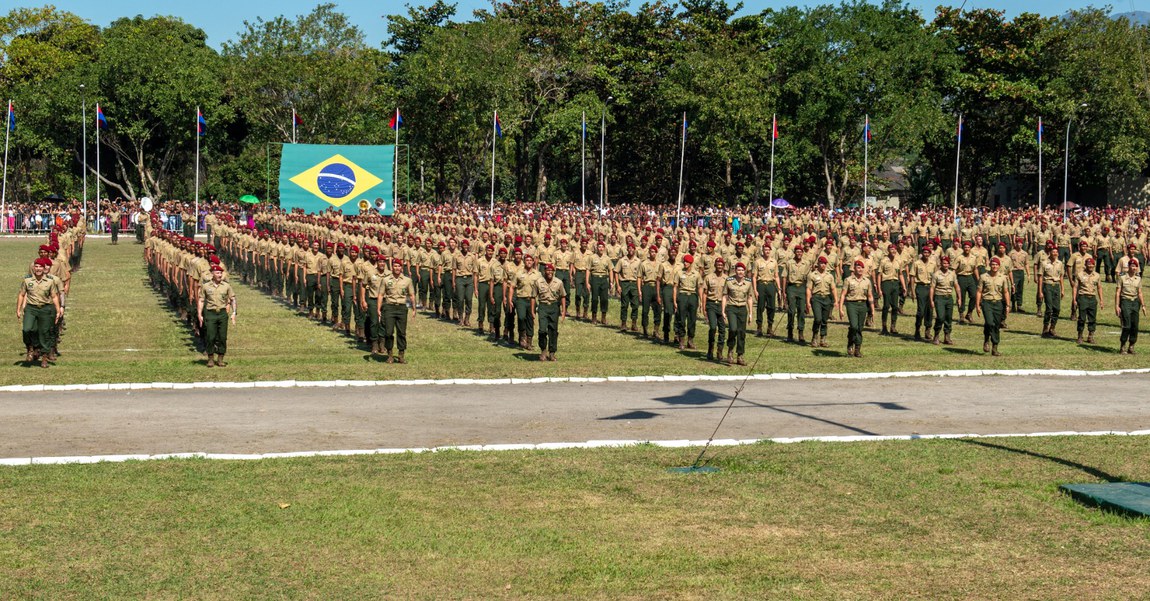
(249, 199)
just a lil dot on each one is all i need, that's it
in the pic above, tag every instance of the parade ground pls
(962, 501)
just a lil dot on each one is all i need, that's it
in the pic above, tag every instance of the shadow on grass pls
(527, 356)
(1092, 471)
(1099, 349)
(827, 353)
(960, 351)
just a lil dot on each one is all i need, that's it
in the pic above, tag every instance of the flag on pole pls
(774, 128)
(396, 121)
(1040, 130)
(201, 123)
(498, 125)
(296, 119)
(584, 125)
(11, 117)
(101, 120)
(866, 129)
(960, 128)
(684, 126)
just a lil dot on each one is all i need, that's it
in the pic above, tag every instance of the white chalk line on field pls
(545, 446)
(953, 373)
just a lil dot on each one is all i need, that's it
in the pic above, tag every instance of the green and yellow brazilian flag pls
(353, 179)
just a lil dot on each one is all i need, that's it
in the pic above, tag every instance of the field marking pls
(953, 373)
(543, 446)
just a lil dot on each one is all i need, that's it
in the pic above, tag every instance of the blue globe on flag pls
(336, 180)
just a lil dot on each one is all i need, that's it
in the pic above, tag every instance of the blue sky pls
(222, 20)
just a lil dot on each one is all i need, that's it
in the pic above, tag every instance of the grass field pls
(120, 331)
(953, 519)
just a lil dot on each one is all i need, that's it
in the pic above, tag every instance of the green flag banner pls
(353, 179)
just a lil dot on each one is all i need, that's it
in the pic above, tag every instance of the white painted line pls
(957, 373)
(543, 446)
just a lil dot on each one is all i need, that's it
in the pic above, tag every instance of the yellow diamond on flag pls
(336, 180)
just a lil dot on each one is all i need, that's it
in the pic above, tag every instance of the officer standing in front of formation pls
(38, 309)
(391, 309)
(114, 222)
(712, 300)
(688, 287)
(1088, 299)
(550, 305)
(737, 296)
(857, 297)
(1128, 303)
(794, 272)
(649, 292)
(627, 287)
(990, 301)
(216, 301)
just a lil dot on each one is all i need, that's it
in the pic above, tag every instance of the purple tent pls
(780, 203)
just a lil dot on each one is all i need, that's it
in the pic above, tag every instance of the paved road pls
(305, 419)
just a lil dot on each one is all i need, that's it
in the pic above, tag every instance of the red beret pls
(654, 248)
(1089, 260)
(710, 244)
(946, 260)
(860, 264)
(822, 259)
(397, 261)
(217, 267)
(720, 260)
(354, 248)
(44, 262)
(502, 249)
(46, 248)
(995, 261)
(740, 264)
(688, 259)
(490, 247)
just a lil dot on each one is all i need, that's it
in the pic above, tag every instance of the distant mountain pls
(1138, 17)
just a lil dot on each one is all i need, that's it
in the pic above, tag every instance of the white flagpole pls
(866, 164)
(494, 120)
(1040, 164)
(84, 126)
(196, 217)
(602, 160)
(682, 159)
(293, 122)
(98, 167)
(395, 172)
(771, 189)
(4, 185)
(583, 163)
(957, 162)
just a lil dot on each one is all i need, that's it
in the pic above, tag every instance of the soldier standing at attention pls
(599, 282)
(821, 294)
(891, 284)
(765, 278)
(495, 293)
(511, 269)
(688, 287)
(464, 283)
(712, 288)
(990, 301)
(627, 287)
(216, 306)
(114, 223)
(1020, 266)
(483, 286)
(580, 263)
(942, 290)
(795, 271)
(551, 307)
(38, 309)
(649, 291)
(1053, 273)
(668, 275)
(373, 274)
(966, 268)
(1128, 303)
(857, 298)
(391, 309)
(920, 275)
(736, 306)
(524, 291)
(1088, 299)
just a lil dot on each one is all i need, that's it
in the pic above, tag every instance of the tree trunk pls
(757, 178)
